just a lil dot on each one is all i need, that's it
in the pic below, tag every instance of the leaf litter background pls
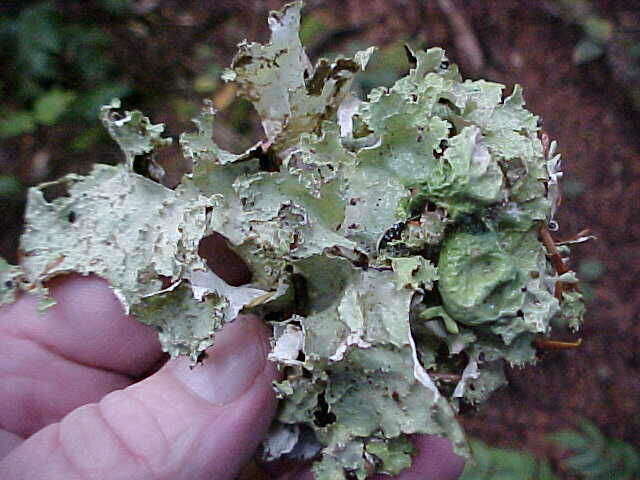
(165, 56)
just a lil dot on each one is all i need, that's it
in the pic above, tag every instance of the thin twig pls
(446, 377)
(548, 344)
(556, 260)
(464, 37)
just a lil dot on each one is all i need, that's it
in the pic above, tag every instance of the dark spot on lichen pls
(242, 61)
(322, 416)
(411, 58)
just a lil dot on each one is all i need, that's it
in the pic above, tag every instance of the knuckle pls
(136, 430)
(101, 440)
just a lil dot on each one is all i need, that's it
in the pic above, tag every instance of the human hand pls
(78, 401)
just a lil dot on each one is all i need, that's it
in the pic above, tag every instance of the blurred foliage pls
(10, 187)
(591, 456)
(208, 80)
(590, 269)
(596, 457)
(58, 69)
(493, 463)
(572, 187)
(312, 28)
(596, 30)
(605, 37)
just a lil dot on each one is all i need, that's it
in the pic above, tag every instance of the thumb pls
(181, 423)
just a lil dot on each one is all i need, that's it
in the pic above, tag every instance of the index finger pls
(73, 354)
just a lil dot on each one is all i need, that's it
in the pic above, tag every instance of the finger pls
(87, 326)
(39, 387)
(75, 353)
(179, 423)
(8, 442)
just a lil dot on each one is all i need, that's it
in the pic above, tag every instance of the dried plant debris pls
(395, 252)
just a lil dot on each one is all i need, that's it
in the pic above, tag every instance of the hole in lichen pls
(448, 103)
(141, 164)
(315, 83)
(55, 190)
(223, 261)
(301, 295)
(430, 206)
(465, 407)
(202, 356)
(411, 58)
(392, 233)
(71, 217)
(269, 161)
(322, 416)
(442, 147)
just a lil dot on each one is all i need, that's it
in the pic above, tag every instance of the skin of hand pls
(85, 395)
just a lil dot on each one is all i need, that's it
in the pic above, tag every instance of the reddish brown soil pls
(582, 107)
(596, 129)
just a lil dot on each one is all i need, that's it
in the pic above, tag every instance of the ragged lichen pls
(392, 243)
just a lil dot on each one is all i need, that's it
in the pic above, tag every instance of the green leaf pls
(10, 187)
(491, 463)
(596, 457)
(587, 50)
(49, 107)
(16, 123)
(88, 103)
(38, 40)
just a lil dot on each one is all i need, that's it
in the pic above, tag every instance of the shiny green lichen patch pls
(393, 244)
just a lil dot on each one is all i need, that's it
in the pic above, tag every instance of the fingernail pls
(231, 365)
